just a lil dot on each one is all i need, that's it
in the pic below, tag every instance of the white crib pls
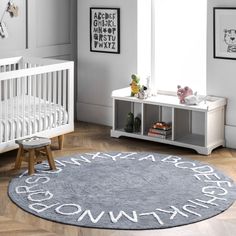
(36, 98)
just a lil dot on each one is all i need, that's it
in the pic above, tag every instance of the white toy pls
(193, 99)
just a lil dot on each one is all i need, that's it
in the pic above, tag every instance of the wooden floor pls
(92, 138)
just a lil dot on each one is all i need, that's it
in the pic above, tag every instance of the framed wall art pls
(224, 38)
(105, 30)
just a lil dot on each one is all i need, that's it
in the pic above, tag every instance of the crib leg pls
(61, 141)
(19, 158)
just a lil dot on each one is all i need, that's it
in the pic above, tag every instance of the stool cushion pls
(34, 142)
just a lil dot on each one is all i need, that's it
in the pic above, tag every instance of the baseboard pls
(230, 136)
(94, 113)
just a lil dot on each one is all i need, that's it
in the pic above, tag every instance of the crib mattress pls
(25, 115)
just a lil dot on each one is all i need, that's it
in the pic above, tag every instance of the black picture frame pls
(105, 30)
(224, 33)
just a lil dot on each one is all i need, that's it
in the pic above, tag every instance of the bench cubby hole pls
(189, 127)
(155, 113)
(122, 108)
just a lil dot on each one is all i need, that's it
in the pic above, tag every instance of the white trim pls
(153, 48)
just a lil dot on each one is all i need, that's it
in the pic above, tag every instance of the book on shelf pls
(162, 126)
(163, 136)
(160, 131)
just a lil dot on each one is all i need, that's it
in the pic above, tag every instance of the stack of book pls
(160, 130)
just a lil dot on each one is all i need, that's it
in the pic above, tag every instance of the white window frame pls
(154, 79)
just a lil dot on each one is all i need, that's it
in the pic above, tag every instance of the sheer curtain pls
(179, 34)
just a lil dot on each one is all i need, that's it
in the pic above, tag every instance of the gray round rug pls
(124, 191)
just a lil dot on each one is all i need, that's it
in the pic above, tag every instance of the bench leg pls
(31, 161)
(19, 158)
(50, 158)
(61, 141)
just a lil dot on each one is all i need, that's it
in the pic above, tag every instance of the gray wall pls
(221, 79)
(44, 28)
(100, 73)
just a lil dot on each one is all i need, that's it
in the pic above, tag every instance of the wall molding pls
(230, 136)
(94, 113)
(27, 20)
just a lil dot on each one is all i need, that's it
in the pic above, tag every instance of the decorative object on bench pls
(33, 147)
(129, 127)
(194, 99)
(143, 92)
(183, 92)
(36, 99)
(134, 85)
(126, 190)
(137, 124)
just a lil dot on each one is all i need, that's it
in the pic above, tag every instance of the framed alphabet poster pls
(105, 30)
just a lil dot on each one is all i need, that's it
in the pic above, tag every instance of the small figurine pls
(135, 86)
(143, 92)
(137, 124)
(182, 93)
(130, 123)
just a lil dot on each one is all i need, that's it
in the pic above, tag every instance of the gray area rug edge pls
(132, 225)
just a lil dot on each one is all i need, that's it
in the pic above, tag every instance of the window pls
(179, 43)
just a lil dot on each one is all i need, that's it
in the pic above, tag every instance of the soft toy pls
(194, 99)
(183, 92)
(135, 86)
(143, 92)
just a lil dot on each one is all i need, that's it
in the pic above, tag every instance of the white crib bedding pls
(18, 120)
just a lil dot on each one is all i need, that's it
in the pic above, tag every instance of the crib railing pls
(36, 96)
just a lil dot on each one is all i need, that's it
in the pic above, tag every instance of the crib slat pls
(23, 106)
(11, 88)
(44, 100)
(50, 99)
(54, 98)
(64, 94)
(34, 107)
(17, 108)
(59, 97)
(6, 112)
(14, 128)
(12, 109)
(39, 100)
(29, 88)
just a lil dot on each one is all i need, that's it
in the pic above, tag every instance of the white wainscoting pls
(44, 28)
(230, 136)
(94, 113)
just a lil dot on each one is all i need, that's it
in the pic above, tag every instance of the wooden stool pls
(34, 146)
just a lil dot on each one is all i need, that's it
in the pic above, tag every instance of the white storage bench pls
(199, 127)
(36, 98)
